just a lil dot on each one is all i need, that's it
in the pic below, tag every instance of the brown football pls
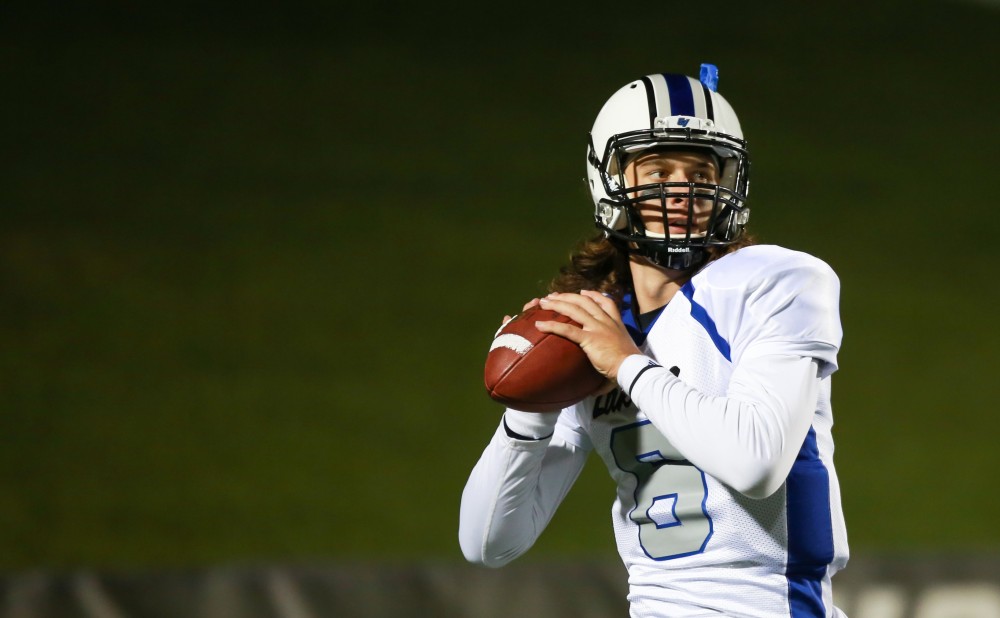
(532, 371)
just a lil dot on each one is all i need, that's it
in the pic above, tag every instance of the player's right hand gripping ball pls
(532, 371)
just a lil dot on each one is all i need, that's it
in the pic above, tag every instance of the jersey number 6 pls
(670, 493)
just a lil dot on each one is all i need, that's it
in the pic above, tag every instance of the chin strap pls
(681, 260)
(674, 261)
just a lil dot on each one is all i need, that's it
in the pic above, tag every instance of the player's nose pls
(678, 193)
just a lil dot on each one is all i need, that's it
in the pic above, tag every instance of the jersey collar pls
(638, 326)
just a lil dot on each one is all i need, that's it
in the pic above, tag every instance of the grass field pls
(250, 264)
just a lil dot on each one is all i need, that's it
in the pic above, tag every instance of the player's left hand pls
(601, 334)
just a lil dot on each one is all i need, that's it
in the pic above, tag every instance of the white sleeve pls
(793, 308)
(513, 492)
(747, 439)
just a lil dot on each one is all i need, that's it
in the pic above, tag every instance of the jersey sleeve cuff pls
(632, 369)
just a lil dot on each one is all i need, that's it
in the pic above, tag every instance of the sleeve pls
(515, 488)
(794, 308)
(747, 439)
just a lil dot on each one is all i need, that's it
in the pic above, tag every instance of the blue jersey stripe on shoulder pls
(701, 316)
(681, 96)
(810, 531)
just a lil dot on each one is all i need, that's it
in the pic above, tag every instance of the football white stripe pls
(513, 342)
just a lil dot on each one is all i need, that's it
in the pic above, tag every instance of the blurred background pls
(252, 257)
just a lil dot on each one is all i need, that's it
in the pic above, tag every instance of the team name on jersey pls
(611, 402)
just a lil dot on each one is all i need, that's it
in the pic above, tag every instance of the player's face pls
(674, 166)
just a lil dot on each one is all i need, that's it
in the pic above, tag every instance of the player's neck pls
(654, 285)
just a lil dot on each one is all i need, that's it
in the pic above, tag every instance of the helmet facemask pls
(714, 213)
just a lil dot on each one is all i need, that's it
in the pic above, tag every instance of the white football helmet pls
(668, 112)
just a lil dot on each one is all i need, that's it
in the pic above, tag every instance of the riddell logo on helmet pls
(683, 122)
(678, 250)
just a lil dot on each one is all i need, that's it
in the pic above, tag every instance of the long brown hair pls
(594, 264)
(598, 264)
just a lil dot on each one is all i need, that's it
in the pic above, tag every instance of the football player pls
(718, 429)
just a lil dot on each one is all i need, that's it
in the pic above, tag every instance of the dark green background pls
(251, 260)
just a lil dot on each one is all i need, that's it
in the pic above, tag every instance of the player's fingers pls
(569, 309)
(531, 303)
(562, 329)
(586, 304)
(606, 303)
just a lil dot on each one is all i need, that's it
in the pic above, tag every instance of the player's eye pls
(703, 175)
(663, 174)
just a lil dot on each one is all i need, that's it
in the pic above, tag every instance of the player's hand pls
(603, 336)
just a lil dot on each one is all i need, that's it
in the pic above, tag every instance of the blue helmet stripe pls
(681, 96)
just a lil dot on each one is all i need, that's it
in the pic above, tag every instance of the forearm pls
(747, 439)
(512, 494)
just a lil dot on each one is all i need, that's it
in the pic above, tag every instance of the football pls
(532, 371)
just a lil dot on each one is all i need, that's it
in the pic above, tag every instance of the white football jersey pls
(693, 544)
